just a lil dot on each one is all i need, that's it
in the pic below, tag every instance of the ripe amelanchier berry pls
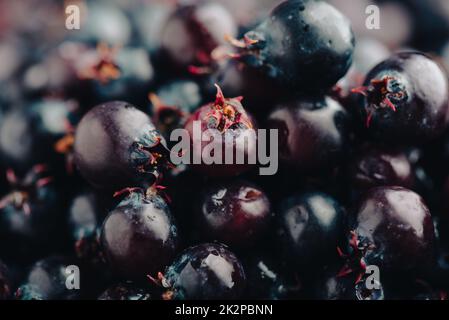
(30, 215)
(235, 213)
(374, 167)
(406, 99)
(117, 146)
(194, 31)
(139, 237)
(311, 227)
(206, 271)
(305, 45)
(313, 133)
(393, 230)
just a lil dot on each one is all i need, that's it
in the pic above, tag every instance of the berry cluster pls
(87, 176)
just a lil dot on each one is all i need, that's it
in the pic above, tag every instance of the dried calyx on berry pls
(227, 114)
(101, 65)
(139, 236)
(23, 190)
(405, 99)
(387, 92)
(355, 259)
(355, 270)
(232, 132)
(149, 155)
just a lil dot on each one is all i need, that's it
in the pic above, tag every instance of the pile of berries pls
(87, 119)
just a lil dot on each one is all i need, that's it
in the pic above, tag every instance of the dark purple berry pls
(311, 227)
(207, 271)
(230, 129)
(194, 31)
(393, 230)
(305, 45)
(30, 215)
(139, 237)
(375, 167)
(46, 280)
(117, 146)
(28, 135)
(313, 133)
(405, 99)
(115, 74)
(236, 213)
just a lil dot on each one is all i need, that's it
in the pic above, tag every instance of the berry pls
(311, 227)
(236, 213)
(86, 216)
(53, 73)
(206, 271)
(354, 128)
(28, 135)
(112, 73)
(230, 129)
(313, 133)
(125, 291)
(405, 99)
(117, 146)
(299, 50)
(194, 31)
(98, 21)
(375, 167)
(139, 236)
(46, 280)
(393, 230)
(29, 215)
(149, 21)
